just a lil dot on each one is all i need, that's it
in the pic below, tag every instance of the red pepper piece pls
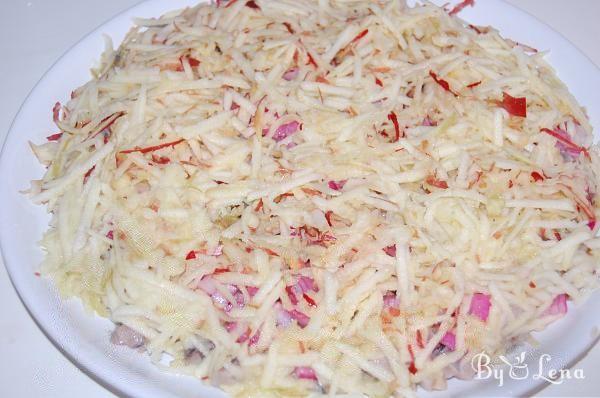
(444, 84)
(514, 106)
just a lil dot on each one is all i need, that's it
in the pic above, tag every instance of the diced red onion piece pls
(305, 372)
(243, 337)
(568, 153)
(591, 224)
(124, 335)
(254, 339)
(221, 301)
(208, 285)
(230, 326)
(581, 136)
(291, 294)
(216, 252)
(390, 250)
(239, 299)
(252, 290)
(300, 317)
(291, 74)
(284, 319)
(337, 185)
(449, 340)
(558, 306)
(233, 289)
(480, 306)
(427, 122)
(390, 300)
(568, 149)
(307, 284)
(285, 130)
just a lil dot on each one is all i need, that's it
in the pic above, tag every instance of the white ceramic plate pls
(85, 338)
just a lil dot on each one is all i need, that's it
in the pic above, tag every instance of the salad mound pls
(286, 198)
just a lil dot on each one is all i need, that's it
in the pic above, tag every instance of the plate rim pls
(99, 372)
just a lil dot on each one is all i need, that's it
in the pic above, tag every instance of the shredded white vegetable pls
(326, 197)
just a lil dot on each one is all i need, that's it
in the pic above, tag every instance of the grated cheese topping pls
(321, 197)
